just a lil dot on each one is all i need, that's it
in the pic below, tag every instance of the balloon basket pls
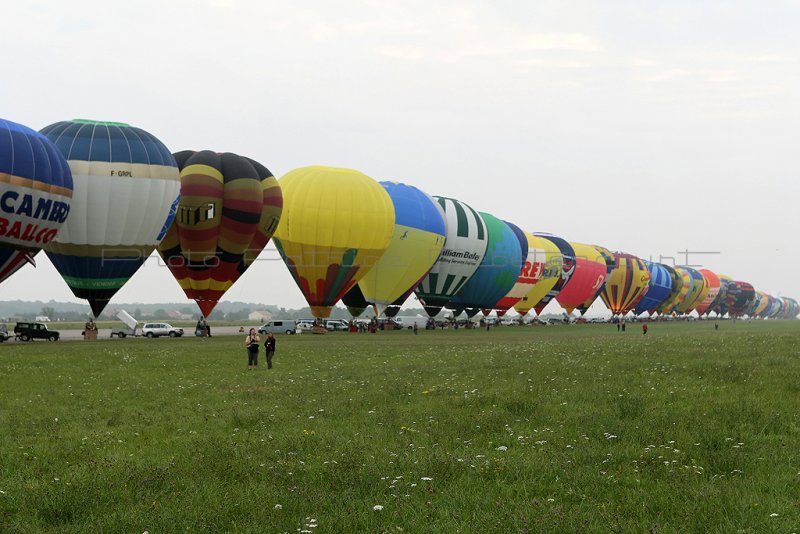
(318, 329)
(90, 335)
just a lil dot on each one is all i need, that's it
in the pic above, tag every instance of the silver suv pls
(161, 329)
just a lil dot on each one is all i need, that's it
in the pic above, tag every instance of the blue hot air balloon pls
(497, 273)
(35, 194)
(659, 288)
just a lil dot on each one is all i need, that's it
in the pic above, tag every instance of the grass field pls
(549, 429)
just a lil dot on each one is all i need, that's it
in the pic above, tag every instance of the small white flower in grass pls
(773, 514)
(377, 507)
(279, 507)
(426, 478)
(502, 448)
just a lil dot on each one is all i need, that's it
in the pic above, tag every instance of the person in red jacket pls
(644, 328)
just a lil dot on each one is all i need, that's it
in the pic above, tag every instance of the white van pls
(284, 326)
(410, 321)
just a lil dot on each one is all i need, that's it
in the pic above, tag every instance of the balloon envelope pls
(525, 280)
(608, 256)
(498, 271)
(659, 288)
(417, 241)
(712, 284)
(695, 294)
(125, 182)
(336, 224)
(567, 270)
(740, 297)
(626, 285)
(463, 251)
(588, 278)
(544, 270)
(229, 208)
(35, 194)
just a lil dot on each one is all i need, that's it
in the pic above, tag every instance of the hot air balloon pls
(760, 304)
(35, 194)
(463, 251)
(677, 287)
(525, 280)
(336, 224)
(712, 283)
(567, 270)
(544, 270)
(790, 309)
(686, 287)
(626, 285)
(720, 304)
(125, 180)
(659, 288)
(355, 302)
(588, 278)
(417, 241)
(498, 271)
(608, 256)
(740, 297)
(229, 208)
(695, 295)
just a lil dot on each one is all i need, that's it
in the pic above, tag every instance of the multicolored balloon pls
(740, 297)
(659, 288)
(498, 271)
(417, 241)
(35, 194)
(125, 182)
(626, 285)
(677, 288)
(544, 271)
(335, 226)
(588, 278)
(229, 208)
(695, 294)
(712, 284)
(567, 270)
(463, 251)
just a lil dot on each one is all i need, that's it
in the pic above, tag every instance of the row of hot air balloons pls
(99, 197)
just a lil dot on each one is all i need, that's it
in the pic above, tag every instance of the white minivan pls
(284, 326)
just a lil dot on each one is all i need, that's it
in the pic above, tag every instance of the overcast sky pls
(646, 127)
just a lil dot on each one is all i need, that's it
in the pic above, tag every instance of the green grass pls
(545, 429)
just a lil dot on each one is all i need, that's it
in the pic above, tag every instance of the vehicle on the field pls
(161, 329)
(4, 335)
(337, 325)
(124, 331)
(27, 331)
(408, 321)
(281, 326)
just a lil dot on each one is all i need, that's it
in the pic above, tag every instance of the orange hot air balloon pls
(229, 208)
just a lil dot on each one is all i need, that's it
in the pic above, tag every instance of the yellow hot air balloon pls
(626, 285)
(544, 270)
(335, 226)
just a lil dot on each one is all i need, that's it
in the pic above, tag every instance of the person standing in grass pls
(644, 328)
(251, 342)
(269, 346)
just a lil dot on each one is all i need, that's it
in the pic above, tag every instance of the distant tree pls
(49, 311)
(137, 313)
(160, 313)
(186, 310)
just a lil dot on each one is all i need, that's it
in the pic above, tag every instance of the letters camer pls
(46, 210)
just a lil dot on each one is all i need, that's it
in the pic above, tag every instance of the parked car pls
(284, 326)
(28, 331)
(336, 325)
(305, 326)
(161, 329)
(4, 335)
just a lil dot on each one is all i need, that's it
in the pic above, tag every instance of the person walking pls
(269, 347)
(623, 325)
(415, 328)
(644, 328)
(251, 342)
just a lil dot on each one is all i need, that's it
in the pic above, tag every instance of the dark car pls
(29, 331)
